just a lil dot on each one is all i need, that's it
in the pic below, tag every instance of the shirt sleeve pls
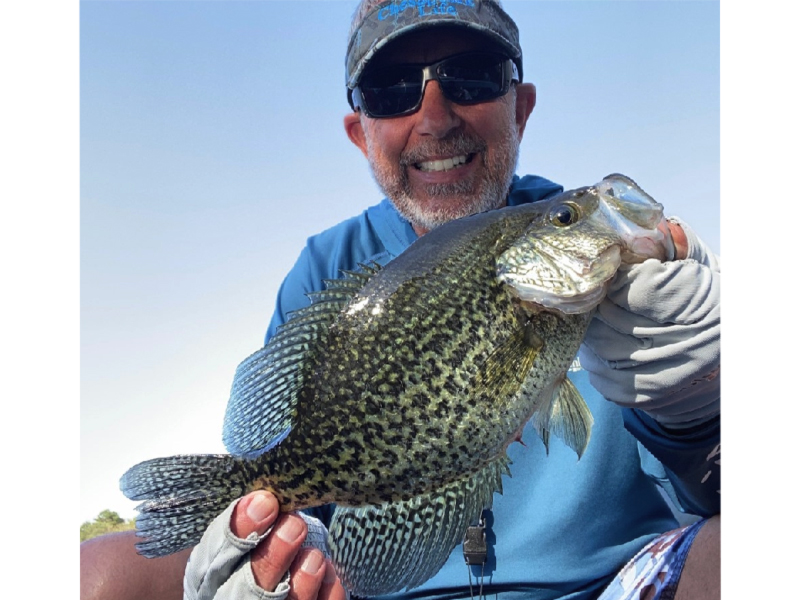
(302, 279)
(684, 462)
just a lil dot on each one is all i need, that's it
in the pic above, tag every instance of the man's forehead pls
(432, 44)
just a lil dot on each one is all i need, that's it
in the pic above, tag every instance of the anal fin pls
(394, 546)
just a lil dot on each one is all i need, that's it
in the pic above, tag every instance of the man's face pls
(444, 161)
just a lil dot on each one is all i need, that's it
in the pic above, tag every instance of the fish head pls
(577, 241)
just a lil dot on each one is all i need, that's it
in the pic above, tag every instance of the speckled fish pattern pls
(394, 395)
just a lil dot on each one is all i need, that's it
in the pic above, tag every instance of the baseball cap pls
(394, 18)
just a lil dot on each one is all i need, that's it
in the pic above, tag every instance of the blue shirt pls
(562, 527)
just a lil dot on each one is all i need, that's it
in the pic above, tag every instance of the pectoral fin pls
(504, 370)
(567, 416)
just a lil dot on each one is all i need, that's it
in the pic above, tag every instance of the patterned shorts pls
(654, 572)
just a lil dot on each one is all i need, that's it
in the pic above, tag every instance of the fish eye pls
(564, 215)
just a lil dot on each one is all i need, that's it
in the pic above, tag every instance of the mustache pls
(460, 143)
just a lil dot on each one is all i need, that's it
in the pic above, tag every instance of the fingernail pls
(312, 562)
(260, 508)
(290, 529)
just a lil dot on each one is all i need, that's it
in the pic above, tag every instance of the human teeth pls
(442, 165)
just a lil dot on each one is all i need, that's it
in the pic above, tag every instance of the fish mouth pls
(443, 164)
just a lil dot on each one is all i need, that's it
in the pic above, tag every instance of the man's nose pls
(435, 116)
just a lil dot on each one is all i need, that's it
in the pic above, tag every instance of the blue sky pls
(212, 146)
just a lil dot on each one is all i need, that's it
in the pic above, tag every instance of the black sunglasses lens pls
(465, 79)
(473, 78)
(391, 90)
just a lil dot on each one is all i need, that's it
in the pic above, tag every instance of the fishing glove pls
(219, 566)
(654, 343)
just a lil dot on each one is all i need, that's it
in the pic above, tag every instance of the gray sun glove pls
(219, 566)
(654, 343)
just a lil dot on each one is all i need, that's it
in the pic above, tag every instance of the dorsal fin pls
(261, 409)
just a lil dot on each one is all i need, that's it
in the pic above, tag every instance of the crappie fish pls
(397, 391)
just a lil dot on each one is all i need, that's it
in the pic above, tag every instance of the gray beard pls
(472, 197)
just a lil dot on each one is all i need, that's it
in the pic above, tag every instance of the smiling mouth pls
(445, 164)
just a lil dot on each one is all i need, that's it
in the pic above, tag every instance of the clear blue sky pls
(212, 146)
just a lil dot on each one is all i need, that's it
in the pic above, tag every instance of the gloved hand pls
(654, 343)
(249, 552)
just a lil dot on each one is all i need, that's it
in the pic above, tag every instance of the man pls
(442, 149)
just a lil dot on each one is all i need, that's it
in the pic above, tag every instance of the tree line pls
(106, 522)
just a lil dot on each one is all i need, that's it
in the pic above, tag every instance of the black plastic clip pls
(475, 544)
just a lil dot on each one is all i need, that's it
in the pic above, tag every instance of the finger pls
(679, 239)
(331, 588)
(256, 512)
(674, 292)
(215, 561)
(308, 572)
(272, 558)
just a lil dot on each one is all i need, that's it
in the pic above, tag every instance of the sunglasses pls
(470, 78)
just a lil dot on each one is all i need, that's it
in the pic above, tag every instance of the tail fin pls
(182, 494)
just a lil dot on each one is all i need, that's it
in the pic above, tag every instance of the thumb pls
(255, 513)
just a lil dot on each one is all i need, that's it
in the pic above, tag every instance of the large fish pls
(396, 393)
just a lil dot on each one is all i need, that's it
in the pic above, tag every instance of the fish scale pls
(395, 394)
(332, 399)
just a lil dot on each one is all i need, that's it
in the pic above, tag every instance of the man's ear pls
(526, 100)
(355, 131)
